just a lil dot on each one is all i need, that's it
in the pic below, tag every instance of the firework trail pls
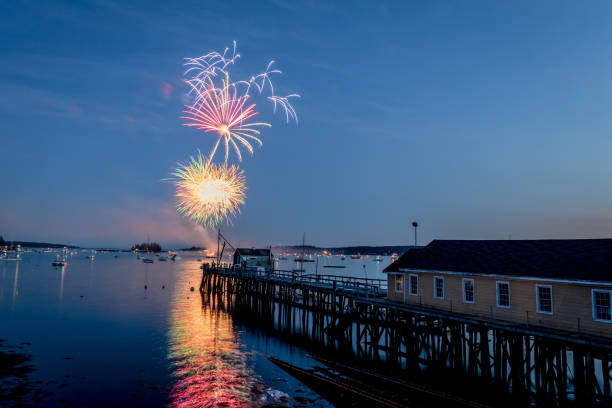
(222, 111)
(220, 104)
(207, 193)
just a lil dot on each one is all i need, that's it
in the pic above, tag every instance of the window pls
(503, 294)
(399, 283)
(468, 290)
(438, 287)
(602, 309)
(544, 299)
(413, 287)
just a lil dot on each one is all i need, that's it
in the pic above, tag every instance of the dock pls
(352, 318)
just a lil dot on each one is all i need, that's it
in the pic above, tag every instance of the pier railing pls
(362, 286)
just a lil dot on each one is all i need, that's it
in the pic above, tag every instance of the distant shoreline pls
(26, 244)
(349, 250)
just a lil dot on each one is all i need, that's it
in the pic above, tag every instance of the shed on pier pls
(563, 284)
(254, 259)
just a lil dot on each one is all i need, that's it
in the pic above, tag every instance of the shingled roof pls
(567, 259)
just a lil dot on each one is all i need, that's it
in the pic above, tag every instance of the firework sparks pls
(210, 65)
(223, 108)
(207, 193)
(222, 111)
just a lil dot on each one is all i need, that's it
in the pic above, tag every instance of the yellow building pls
(561, 284)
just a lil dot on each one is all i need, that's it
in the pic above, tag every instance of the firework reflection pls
(208, 360)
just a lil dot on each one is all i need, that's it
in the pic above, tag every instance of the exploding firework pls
(207, 193)
(222, 111)
(220, 104)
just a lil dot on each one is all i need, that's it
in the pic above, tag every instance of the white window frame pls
(463, 290)
(497, 283)
(412, 275)
(403, 283)
(552, 307)
(435, 278)
(609, 292)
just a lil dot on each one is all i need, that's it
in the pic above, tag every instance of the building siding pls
(572, 303)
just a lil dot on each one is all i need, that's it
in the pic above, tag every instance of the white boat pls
(9, 258)
(11, 255)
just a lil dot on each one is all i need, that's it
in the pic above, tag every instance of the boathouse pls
(254, 259)
(561, 284)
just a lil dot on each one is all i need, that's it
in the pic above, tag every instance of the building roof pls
(567, 259)
(253, 252)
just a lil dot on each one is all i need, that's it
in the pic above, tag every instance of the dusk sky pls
(479, 120)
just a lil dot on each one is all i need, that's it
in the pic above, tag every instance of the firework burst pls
(220, 105)
(222, 111)
(207, 193)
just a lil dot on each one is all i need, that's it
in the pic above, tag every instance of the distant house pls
(564, 284)
(252, 258)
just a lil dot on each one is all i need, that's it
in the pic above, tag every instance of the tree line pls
(147, 246)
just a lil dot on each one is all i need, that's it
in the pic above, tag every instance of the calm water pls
(365, 267)
(99, 338)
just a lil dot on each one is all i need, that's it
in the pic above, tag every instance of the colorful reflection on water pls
(209, 363)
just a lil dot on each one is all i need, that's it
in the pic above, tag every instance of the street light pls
(415, 225)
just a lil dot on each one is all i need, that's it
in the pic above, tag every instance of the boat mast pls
(303, 243)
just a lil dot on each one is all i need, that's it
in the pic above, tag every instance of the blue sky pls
(480, 120)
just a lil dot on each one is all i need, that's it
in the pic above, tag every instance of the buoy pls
(192, 289)
(145, 286)
(163, 286)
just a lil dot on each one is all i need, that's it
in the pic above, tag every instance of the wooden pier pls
(350, 316)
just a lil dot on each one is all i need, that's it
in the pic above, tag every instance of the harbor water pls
(114, 331)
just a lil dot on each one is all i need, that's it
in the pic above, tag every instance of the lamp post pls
(415, 225)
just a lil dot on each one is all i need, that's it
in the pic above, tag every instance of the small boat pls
(297, 259)
(59, 261)
(342, 257)
(378, 259)
(357, 256)
(147, 260)
(4, 257)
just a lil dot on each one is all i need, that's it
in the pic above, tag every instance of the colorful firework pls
(220, 110)
(223, 108)
(207, 193)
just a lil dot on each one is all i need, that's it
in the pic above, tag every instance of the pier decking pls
(535, 365)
